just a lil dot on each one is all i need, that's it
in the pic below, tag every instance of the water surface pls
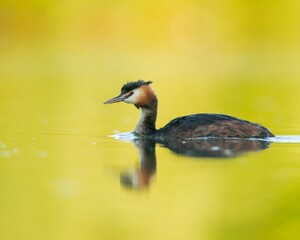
(80, 185)
(63, 176)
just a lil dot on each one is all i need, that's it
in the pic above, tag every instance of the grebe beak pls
(119, 98)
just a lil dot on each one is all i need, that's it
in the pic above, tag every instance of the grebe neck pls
(146, 124)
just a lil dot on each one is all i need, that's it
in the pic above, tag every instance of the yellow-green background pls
(59, 172)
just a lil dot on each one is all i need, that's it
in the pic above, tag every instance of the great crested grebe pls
(192, 126)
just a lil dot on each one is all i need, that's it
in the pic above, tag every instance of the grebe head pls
(138, 93)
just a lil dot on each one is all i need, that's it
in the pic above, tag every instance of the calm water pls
(68, 172)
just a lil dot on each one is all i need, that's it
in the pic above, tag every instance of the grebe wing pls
(195, 120)
(212, 125)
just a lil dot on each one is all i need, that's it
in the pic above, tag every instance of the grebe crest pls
(143, 96)
(139, 93)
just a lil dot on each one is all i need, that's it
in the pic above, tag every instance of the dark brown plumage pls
(213, 125)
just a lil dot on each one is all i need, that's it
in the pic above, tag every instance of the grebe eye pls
(131, 93)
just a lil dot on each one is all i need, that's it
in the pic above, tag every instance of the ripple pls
(285, 139)
(129, 136)
(126, 136)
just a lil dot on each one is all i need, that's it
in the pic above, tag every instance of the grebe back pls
(143, 96)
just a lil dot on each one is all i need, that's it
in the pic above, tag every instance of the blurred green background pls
(235, 57)
(60, 60)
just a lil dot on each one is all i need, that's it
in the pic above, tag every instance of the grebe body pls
(143, 97)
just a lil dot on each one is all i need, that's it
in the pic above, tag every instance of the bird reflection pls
(215, 147)
(212, 148)
(141, 177)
